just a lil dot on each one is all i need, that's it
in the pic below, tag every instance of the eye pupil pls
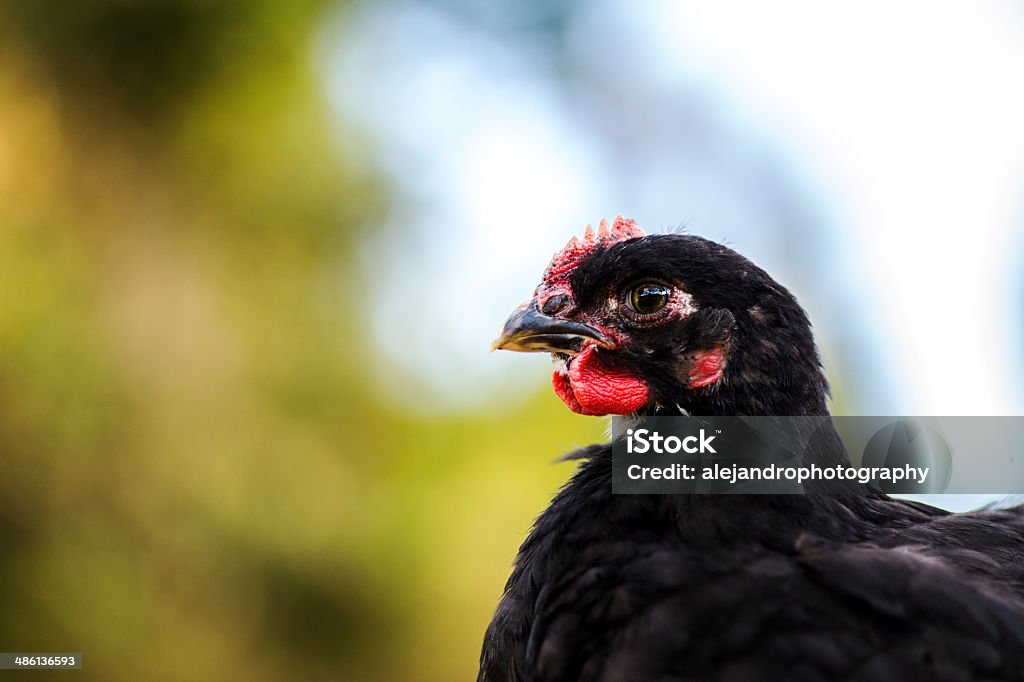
(649, 298)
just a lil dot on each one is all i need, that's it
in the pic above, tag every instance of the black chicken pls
(729, 587)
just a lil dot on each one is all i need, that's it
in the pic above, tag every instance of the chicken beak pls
(528, 330)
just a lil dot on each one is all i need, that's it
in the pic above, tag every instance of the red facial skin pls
(707, 367)
(594, 389)
(592, 386)
(556, 275)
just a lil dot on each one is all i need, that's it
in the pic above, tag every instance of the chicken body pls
(729, 587)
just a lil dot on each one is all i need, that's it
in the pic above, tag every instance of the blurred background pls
(252, 255)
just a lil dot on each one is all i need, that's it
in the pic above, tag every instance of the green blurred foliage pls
(197, 477)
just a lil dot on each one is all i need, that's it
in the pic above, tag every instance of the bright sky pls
(896, 126)
(914, 111)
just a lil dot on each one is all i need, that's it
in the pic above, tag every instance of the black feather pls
(801, 587)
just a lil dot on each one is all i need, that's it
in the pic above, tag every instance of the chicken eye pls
(649, 298)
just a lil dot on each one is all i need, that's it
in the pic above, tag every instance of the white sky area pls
(916, 114)
(896, 129)
(491, 180)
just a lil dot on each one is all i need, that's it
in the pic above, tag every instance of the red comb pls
(566, 260)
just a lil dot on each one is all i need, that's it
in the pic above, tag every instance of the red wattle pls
(591, 388)
(563, 390)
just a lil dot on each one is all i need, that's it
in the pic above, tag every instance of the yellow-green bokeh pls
(198, 478)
